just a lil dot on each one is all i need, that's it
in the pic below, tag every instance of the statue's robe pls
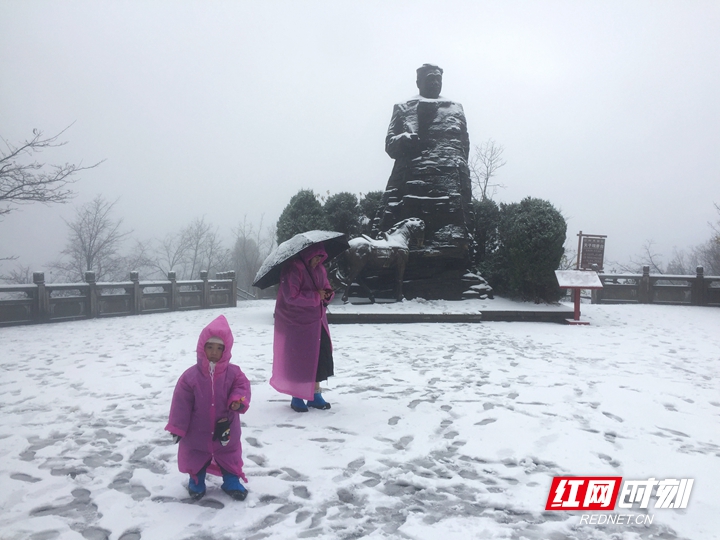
(430, 180)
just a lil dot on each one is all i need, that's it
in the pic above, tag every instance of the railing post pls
(205, 300)
(596, 295)
(644, 289)
(42, 303)
(136, 307)
(698, 292)
(233, 288)
(172, 277)
(92, 294)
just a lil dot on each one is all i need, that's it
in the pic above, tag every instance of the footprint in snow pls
(403, 442)
(252, 441)
(24, 478)
(205, 502)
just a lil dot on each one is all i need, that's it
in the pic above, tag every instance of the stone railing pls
(43, 302)
(646, 288)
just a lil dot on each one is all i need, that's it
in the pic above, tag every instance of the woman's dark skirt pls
(325, 367)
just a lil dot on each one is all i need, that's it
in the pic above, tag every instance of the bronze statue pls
(389, 251)
(430, 180)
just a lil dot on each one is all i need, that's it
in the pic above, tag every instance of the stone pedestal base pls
(432, 273)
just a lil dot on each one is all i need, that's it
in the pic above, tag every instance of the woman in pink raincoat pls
(204, 415)
(302, 350)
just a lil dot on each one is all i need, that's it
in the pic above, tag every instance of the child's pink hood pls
(217, 328)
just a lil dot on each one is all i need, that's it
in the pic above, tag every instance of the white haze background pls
(224, 109)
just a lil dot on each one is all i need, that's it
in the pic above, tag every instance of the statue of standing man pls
(430, 180)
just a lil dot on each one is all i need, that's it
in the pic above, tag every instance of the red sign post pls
(590, 256)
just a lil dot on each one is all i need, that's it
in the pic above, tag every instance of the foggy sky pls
(609, 110)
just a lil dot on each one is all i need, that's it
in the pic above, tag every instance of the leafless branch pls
(24, 179)
(20, 275)
(484, 165)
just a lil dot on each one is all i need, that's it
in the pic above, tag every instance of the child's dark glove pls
(176, 438)
(222, 431)
(238, 405)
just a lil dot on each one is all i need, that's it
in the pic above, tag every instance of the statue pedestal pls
(432, 273)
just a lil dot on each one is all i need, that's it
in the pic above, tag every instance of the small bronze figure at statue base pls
(389, 251)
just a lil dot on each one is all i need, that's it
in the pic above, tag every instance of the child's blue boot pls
(298, 405)
(318, 402)
(197, 489)
(232, 486)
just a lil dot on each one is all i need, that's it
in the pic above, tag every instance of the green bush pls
(487, 219)
(531, 235)
(303, 213)
(342, 212)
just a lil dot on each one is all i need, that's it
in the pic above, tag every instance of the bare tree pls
(20, 275)
(483, 166)
(250, 249)
(140, 259)
(716, 227)
(23, 179)
(648, 257)
(171, 254)
(196, 236)
(216, 257)
(93, 243)
(196, 247)
(682, 263)
(708, 254)
(569, 259)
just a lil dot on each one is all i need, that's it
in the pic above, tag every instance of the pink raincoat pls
(299, 317)
(203, 395)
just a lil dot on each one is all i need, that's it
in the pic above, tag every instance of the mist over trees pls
(250, 249)
(94, 241)
(25, 180)
(683, 261)
(97, 242)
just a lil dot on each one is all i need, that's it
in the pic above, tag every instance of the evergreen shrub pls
(303, 213)
(530, 237)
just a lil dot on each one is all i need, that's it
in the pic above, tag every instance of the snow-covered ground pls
(450, 431)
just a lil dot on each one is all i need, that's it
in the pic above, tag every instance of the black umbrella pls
(269, 273)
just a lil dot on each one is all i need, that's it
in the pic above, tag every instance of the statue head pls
(429, 80)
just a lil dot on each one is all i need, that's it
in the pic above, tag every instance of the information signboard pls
(591, 252)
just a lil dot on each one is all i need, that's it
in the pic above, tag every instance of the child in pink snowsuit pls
(204, 415)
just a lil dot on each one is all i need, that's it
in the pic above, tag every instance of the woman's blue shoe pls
(232, 486)
(298, 405)
(318, 402)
